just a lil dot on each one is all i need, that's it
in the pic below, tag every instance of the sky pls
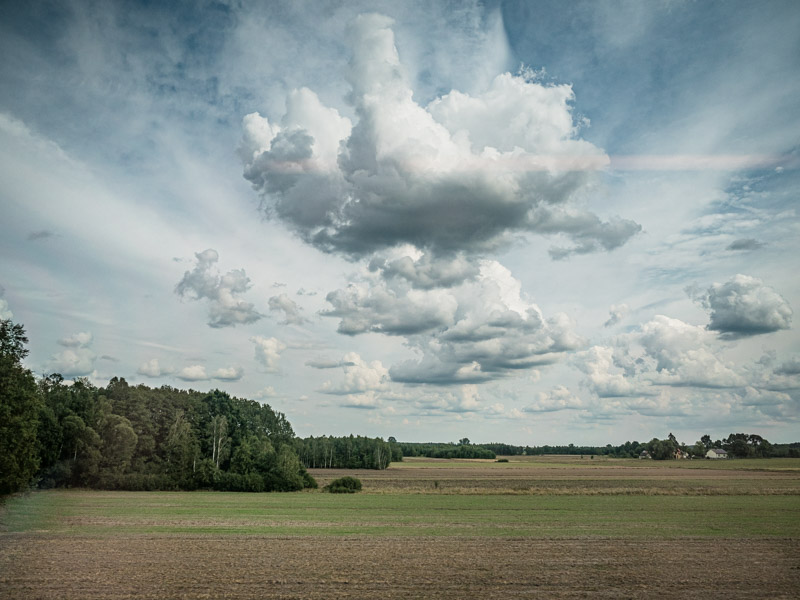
(533, 222)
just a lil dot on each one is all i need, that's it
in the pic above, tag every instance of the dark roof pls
(719, 450)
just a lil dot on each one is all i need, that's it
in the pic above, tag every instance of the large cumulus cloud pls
(744, 306)
(463, 173)
(482, 329)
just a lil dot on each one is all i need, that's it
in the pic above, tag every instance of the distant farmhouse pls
(716, 453)
(644, 454)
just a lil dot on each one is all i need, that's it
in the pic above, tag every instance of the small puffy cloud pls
(288, 307)
(77, 360)
(359, 376)
(743, 307)
(616, 313)
(559, 398)
(221, 291)
(462, 174)
(368, 400)
(78, 340)
(266, 392)
(152, 368)
(192, 373)
(745, 244)
(268, 352)
(228, 374)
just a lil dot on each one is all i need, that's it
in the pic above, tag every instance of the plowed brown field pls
(34, 566)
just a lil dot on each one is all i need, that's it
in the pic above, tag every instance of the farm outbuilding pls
(716, 453)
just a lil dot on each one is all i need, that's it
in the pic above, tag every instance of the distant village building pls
(716, 453)
(680, 454)
(644, 454)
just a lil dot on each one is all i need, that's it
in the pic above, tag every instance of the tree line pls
(129, 437)
(463, 449)
(351, 452)
(737, 445)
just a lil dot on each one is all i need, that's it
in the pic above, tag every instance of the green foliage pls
(20, 406)
(352, 452)
(461, 450)
(344, 485)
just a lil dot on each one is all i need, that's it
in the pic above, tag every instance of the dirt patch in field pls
(193, 567)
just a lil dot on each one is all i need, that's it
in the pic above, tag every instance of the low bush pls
(344, 485)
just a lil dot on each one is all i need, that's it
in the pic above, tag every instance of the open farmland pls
(546, 527)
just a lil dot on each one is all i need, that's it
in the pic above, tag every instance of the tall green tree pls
(20, 406)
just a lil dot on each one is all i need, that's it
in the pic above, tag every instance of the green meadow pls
(95, 513)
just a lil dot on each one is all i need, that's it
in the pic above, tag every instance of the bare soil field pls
(158, 566)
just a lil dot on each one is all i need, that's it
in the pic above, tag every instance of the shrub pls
(502, 460)
(344, 485)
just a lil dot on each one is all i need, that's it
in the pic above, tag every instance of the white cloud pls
(152, 368)
(78, 340)
(193, 373)
(266, 392)
(366, 400)
(359, 376)
(222, 291)
(603, 376)
(288, 307)
(77, 360)
(684, 355)
(743, 306)
(495, 331)
(268, 352)
(558, 398)
(228, 374)
(460, 174)
(5, 311)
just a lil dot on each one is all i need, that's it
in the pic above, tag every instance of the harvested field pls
(319, 567)
(553, 528)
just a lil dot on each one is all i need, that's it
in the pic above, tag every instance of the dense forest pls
(135, 437)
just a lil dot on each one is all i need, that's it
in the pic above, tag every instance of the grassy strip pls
(617, 516)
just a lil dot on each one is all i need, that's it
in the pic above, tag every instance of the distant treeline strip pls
(352, 452)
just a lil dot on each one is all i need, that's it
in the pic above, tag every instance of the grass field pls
(559, 527)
